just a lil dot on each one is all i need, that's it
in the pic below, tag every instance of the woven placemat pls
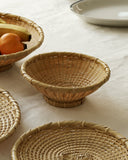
(70, 141)
(9, 114)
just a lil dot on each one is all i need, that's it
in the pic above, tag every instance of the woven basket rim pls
(18, 115)
(28, 50)
(69, 125)
(76, 89)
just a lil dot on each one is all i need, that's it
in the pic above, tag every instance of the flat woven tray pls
(9, 114)
(71, 141)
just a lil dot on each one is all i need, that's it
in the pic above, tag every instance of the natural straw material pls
(9, 114)
(70, 141)
(65, 78)
(6, 61)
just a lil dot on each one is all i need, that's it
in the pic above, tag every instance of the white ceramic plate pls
(103, 12)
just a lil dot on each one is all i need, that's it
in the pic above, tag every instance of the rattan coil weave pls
(37, 34)
(9, 114)
(65, 78)
(71, 140)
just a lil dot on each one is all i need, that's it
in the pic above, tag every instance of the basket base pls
(64, 104)
(6, 67)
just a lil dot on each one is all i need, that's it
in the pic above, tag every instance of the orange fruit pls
(10, 43)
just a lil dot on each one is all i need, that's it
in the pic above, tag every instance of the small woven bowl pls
(6, 61)
(9, 115)
(65, 78)
(70, 141)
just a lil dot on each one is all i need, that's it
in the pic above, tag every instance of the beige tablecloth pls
(65, 31)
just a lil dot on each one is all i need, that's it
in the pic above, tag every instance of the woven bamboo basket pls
(71, 140)
(65, 78)
(6, 61)
(9, 115)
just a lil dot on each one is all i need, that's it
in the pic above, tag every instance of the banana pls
(12, 28)
(2, 21)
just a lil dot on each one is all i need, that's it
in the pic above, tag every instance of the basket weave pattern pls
(65, 78)
(9, 114)
(71, 141)
(6, 61)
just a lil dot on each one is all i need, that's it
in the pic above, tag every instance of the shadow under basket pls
(65, 78)
(37, 37)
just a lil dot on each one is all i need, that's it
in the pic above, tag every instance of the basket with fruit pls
(19, 36)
